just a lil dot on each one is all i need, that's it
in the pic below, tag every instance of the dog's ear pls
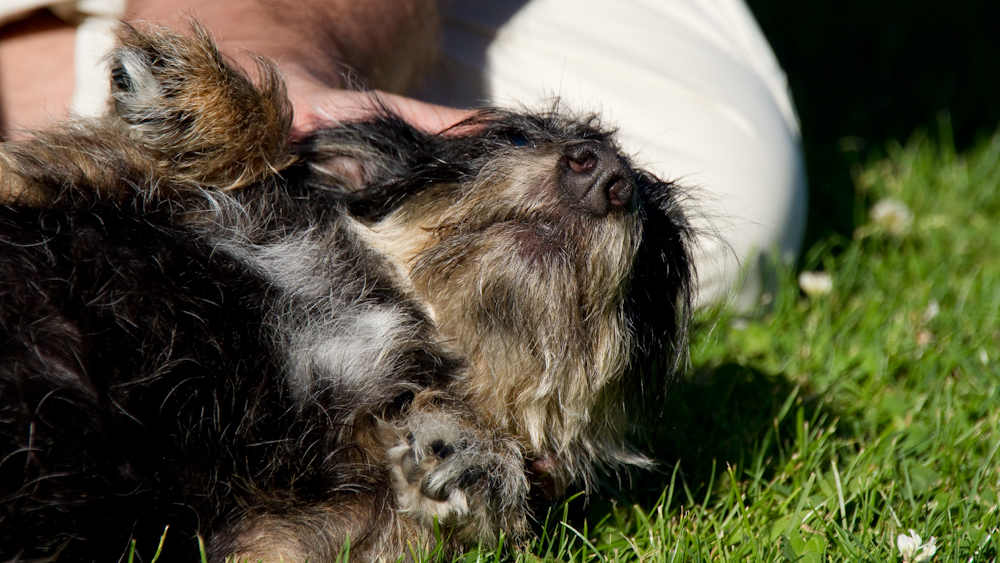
(378, 162)
(211, 125)
(661, 295)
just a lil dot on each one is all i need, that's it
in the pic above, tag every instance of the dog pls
(375, 339)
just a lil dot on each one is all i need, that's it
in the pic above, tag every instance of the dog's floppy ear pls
(378, 162)
(660, 299)
(210, 123)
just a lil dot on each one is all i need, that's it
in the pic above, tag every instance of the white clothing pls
(95, 21)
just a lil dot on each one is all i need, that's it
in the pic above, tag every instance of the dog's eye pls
(517, 139)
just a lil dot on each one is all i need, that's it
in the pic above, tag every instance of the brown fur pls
(550, 378)
(193, 118)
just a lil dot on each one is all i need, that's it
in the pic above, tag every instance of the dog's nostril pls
(595, 177)
(620, 193)
(583, 165)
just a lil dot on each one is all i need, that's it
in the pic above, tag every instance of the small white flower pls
(924, 337)
(932, 310)
(984, 358)
(815, 284)
(927, 551)
(913, 550)
(893, 215)
(908, 545)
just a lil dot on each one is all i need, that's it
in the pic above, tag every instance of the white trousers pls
(692, 86)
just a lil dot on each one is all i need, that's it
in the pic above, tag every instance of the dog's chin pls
(539, 244)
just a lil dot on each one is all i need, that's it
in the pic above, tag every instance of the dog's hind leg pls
(187, 120)
(207, 122)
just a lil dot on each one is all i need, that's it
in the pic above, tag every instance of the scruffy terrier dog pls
(280, 348)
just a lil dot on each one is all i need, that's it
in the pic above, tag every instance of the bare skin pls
(385, 43)
(36, 73)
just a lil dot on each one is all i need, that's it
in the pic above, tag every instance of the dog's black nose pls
(596, 178)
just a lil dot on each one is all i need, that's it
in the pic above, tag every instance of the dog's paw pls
(181, 98)
(471, 481)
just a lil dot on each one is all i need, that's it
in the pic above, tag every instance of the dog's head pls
(558, 270)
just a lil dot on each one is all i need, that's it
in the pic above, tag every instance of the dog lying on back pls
(284, 347)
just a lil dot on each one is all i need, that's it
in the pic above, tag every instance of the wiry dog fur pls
(279, 347)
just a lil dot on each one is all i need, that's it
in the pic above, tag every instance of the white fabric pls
(693, 87)
(12, 10)
(95, 36)
(95, 21)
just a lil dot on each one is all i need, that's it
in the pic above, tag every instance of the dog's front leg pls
(448, 467)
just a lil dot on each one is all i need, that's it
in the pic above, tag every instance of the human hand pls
(316, 105)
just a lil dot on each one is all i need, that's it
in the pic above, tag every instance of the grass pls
(827, 426)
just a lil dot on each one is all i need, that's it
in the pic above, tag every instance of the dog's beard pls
(531, 291)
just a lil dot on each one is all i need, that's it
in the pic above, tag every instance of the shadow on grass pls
(719, 415)
(713, 419)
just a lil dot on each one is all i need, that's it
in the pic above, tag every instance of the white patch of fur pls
(329, 330)
(294, 265)
(145, 91)
(352, 348)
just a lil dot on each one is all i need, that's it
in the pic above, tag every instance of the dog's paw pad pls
(461, 476)
(430, 469)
